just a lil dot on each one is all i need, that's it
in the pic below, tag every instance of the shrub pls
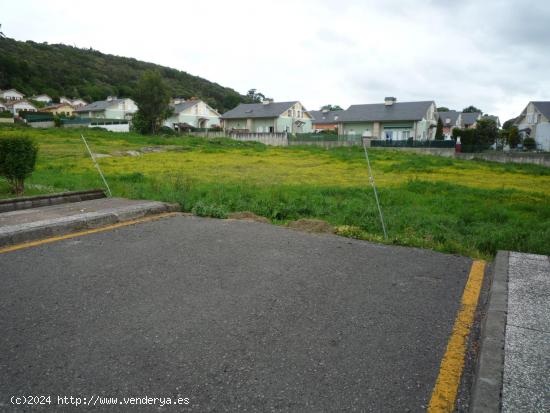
(529, 143)
(17, 161)
(207, 210)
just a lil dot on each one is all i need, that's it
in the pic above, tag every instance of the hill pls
(61, 70)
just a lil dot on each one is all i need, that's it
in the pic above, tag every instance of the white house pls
(11, 94)
(15, 106)
(534, 122)
(111, 108)
(77, 103)
(192, 113)
(42, 98)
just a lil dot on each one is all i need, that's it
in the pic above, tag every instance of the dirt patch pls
(248, 216)
(312, 225)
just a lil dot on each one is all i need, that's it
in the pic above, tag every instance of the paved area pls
(526, 381)
(35, 223)
(236, 316)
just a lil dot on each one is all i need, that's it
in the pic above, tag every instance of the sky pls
(487, 53)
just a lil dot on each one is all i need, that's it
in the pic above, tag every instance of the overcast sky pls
(492, 54)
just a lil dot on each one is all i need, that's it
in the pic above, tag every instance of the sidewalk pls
(514, 362)
(526, 381)
(37, 223)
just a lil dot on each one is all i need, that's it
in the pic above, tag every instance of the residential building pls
(493, 117)
(390, 120)
(469, 119)
(64, 99)
(11, 94)
(450, 119)
(325, 119)
(111, 108)
(534, 122)
(16, 106)
(42, 98)
(268, 117)
(76, 103)
(61, 109)
(192, 114)
(3, 107)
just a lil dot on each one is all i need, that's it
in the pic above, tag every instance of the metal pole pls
(371, 180)
(96, 165)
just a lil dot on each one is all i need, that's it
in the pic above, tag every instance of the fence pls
(207, 134)
(411, 143)
(272, 139)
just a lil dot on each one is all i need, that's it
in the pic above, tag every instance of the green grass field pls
(471, 208)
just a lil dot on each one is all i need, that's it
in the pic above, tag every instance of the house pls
(111, 108)
(493, 117)
(469, 119)
(325, 119)
(534, 122)
(192, 114)
(16, 106)
(42, 98)
(64, 99)
(450, 119)
(60, 109)
(3, 107)
(76, 103)
(390, 120)
(268, 117)
(11, 94)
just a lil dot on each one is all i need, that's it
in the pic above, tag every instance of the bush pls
(166, 131)
(17, 161)
(6, 114)
(207, 210)
(529, 143)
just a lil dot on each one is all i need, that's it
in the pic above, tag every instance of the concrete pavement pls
(37, 223)
(236, 316)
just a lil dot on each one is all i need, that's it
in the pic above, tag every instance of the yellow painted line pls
(446, 387)
(86, 232)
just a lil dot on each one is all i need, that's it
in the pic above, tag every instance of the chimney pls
(267, 101)
(390, 100)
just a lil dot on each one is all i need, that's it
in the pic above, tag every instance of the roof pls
(451, 114)
(258, 110)
(325, 117)
(543, 107)
(11, 90)
(376, 112)
(469, 118)
(98, 106)
(57, 105)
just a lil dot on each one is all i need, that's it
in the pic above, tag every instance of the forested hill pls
(61, 70)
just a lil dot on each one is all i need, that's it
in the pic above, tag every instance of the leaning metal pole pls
(96, 165)
(371, 180)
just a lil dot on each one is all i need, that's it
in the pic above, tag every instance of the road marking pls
(446, 387)
(86, 232)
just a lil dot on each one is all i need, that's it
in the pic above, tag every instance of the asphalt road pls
(235, 316)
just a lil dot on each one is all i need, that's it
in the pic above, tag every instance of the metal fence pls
(411, 143)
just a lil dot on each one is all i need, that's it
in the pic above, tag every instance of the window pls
(299, 114)
(388, 134)
(289, 113)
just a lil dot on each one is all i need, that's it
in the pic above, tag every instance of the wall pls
(325, 144)
(357, 128)
(532, 158)
(44, 124)
(6, 120)
(543, 136)
(272, 139)
(121, 127)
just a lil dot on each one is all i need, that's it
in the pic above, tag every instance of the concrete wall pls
(542, 136)
(325, 144)
(272, 139)
(6, 120)
(532, 158)
(122, 127)
(44, 124)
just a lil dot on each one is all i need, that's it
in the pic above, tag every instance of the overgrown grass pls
(471, 208)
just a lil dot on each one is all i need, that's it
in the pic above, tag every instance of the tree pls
(331, 107)
(487, 131)
(255, 97)
(508, 124)
(472, 109)
(439, 130)
(442, 109)
(513, 137)
(152, 97)
(17, 161)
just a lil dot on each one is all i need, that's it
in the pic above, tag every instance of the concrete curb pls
(15, 204)
(17, 234)
(487, 388)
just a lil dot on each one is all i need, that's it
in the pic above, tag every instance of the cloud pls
(492, 54)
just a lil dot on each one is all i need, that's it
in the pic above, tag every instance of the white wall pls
(123, 127)
(543, 136)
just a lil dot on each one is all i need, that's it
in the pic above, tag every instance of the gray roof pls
(543, 107)
(98, 105)
(469, 118)
(258, 110)
(325, 117)
(376, 112)
(180, 107)
(452, 115)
